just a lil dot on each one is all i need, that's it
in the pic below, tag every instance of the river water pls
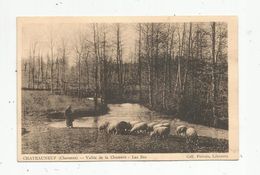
(136, 112)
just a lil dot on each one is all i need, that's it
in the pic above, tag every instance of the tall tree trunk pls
(57, 73)
(156, 58)
(39, 71)
(79, 75)
(33, 65)
(152, 65)
(187, 65)
(178, 74)
(52, 66)
(87, 71)
(213, 81)
(171, 57)
(42, 71)
(104, 88)
(24, 73)
(47, 72)
(148, 55)
(29, 73)
(139, 62)
(119, 61)
(33, 71)
(191, 71)
(164, 80)
(96, 67)
(64, 69)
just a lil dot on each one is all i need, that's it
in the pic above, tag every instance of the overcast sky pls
(70, 32)
(41, 33)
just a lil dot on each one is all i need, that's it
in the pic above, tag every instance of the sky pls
(41, 33)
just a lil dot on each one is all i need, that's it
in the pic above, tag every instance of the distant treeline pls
(179, 69)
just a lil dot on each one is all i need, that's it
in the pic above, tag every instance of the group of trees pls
(45, 73)
(186, 68)
(178, 68)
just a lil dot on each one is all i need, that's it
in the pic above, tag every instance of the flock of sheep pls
(156, 129)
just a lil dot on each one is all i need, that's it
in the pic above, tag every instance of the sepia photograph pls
(127, 88)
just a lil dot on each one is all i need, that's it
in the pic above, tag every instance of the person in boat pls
(68, 117)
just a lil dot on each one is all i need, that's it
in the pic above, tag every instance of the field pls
(89, 140)
(40, 138)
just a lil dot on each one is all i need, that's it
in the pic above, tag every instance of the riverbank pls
(43, 103)
(39, 107)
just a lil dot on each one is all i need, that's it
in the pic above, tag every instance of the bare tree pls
(104, 81)
(148, 57)
(213, 78)
(32, 62)
(42, 69)
(64, 65)
(52, 61)
(119, 59)
(79, 51)
(96, 62)
(139, 60)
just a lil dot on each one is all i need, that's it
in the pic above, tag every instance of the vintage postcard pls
(127, 88)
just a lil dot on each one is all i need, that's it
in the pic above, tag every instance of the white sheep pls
(132, 123)
(181, 130)
(191, 136)
(111, 128)
(139, 127)
(161, 125)
(166, 124)
(103, 126)
(150, 126)
(157, 125)
(160, 132)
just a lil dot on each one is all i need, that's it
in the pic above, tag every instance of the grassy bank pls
(39, 107)
(89, 140)
(53, 106)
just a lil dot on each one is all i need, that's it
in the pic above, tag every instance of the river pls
(131, 112)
